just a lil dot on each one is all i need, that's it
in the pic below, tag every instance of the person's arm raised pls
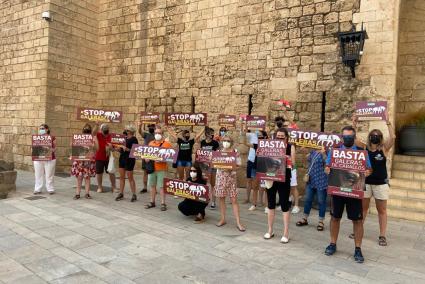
(198, 136)
(389, 143)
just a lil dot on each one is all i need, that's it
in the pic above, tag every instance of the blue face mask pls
(42, 131)
(222, 133)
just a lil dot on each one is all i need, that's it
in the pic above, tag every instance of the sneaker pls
(252, 208)
(266, 210)
(358, 256)
(144, 190)
(295, 210)
(330, 250)
(133, 198)
(119, 197)
(213, 205)
(284, 240)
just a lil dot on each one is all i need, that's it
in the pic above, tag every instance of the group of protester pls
(224, 182)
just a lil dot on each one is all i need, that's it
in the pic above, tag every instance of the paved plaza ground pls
(59, 240)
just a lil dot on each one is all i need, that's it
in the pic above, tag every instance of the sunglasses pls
(193, 171)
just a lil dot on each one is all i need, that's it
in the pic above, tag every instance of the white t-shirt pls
(252, 139)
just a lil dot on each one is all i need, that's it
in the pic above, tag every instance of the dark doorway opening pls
(250, 105)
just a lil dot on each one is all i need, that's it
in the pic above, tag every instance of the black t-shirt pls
(128, 143)
(198, 180)
(379, 168)
(185, 149)
(212, 145)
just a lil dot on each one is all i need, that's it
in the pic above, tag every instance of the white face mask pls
(158, 137)
(193, 174)
(226, 145)
(42, 131)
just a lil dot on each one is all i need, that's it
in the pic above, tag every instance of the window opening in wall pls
(323, 114)
(250, 105)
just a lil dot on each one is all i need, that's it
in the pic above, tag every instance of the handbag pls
(111, 165)
(306, 177)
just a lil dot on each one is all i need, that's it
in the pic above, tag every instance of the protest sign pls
(271, 160)
(99, 115)
(117, 140)
(347, 175)
(228, 121)
(203, 156)
(42, 147)
(186, 119)
(256, 122)
(82, 147)
(158, 154)
(371, 110)
(149, 117)
(189, 190)
(223, 160)
(312, 139)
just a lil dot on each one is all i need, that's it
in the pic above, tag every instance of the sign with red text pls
(271, 160)
(223, 160)
(117, 140)
(203, 156)
(158, 154)
(256, 122)
(82, 147)
(372, 110)
(347, 175)
(189, 190)
(228, 121)
(99, 115)
(149, 117)
(42, 148)
(313, 139)
(186, 119)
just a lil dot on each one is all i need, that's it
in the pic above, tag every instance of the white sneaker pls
(252, 208)
(295, 210)
(284, 240)
(266, 210)
(268, 236)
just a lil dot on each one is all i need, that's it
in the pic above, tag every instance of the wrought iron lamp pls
(352, 43)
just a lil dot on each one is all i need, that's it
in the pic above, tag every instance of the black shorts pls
(127, 163)
(250, 169)
(353, 205)
(101, 167)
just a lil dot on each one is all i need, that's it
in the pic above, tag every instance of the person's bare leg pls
(186, 173)
(79, 184)
(99, 178)
(334, 229)
(153, 194)
(254, 192)
(248, 190)
(296, 195)
(381, 206)
(180, 172)
(270, 220)
(212, 182)
(145, 180)
(162, 193)
(122, 179)
(365, 206)
(286, 216)
(87, 179)
(358, 232)
(222, 204)
(113, 183)
(235, 207)
(131, 181)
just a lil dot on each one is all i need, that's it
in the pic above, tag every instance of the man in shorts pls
(352, 205)
(103, 138)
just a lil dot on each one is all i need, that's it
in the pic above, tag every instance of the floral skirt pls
(83, 169)
(225, 184)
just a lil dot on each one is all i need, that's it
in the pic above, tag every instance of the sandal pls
(199, 219)
(302, 223)
(241, 228)
(150, 205)
(77, 196)
(321, 226)
(87, 196)
(163, 207)
(382, 241)
(221, 224)
(268, 236)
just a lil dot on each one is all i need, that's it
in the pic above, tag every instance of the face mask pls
(375, 139)
(42, 131)
(348, 140)
(279, 124)
(226, 145)
(158, 137)
(125, 133)
(193, 174)
(222, 133)
(86, 131)
(187, 137)
(151, 130)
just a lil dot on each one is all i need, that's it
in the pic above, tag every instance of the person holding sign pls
(226, 186)
(377, 183)
(45, 169)
(281, 188)
(353, 205)
(147, 138)
(126, 164)
(190, 207)
(156, 178)
(84, 170)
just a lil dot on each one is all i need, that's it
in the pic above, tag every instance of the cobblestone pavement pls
(59, 240)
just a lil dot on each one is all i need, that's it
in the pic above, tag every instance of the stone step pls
(407, 183)
(402, 213)
(420, 176)
(409, 159)
(403, 166)
(396, 192)
(407, 203)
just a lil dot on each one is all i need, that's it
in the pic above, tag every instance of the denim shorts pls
(184, 164)
(250, 170)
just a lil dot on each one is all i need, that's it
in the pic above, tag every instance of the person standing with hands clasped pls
(353, 206)
(377, 183)
(45, 169)
(226, 186)
(281, 188)
(126, 164)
